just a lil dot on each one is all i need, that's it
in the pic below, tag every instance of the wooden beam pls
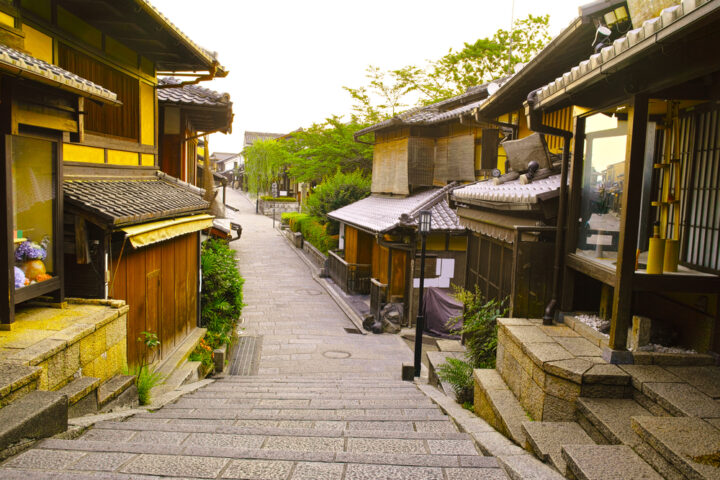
(629, 218)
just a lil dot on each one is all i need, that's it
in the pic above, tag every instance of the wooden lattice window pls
(490, 264)
(700, 193)
(123, 121)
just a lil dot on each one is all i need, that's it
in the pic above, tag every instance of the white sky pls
(288, 60)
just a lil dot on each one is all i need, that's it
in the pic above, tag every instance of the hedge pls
(312, 230)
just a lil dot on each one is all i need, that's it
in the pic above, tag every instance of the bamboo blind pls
(440, 175)
(390, 167)
(421, 153)
(461, 158)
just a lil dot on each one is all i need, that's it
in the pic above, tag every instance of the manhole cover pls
(336, 354)
(308, 291)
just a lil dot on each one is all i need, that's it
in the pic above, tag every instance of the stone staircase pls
(276, 428)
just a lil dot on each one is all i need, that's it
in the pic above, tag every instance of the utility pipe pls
(534, 122)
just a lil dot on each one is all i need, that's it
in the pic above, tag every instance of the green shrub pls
(335, 192)
(313, 231)
(221, 290)
(269, 198)
(479, 326)
(203, 353)
(458, 374)
(294, 219)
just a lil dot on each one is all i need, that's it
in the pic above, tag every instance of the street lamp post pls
(424, 228)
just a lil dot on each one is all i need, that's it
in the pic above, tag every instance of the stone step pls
(435, 359)
(682, 400)
(119, 391)
(300, 396)
(691, 444)
(38, 414)
(300, 404)
(546, 440)
(82, 396)
(380, 426)
(305, 452)
(527, 467)
(290, 414)
(611, 419)
(497, 405)
(17, 380)
(324, 431)
(179, 355)
(602, 462)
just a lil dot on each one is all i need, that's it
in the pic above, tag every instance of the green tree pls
(388, 87)
(321, 150)
(264, 161)
(335, 192)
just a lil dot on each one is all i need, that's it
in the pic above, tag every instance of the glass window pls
(33, 192)
(602, 187)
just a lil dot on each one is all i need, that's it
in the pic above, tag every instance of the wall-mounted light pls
(425, 219)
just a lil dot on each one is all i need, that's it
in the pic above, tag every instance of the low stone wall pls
(266, 208)
(548, 367)
(88, 338)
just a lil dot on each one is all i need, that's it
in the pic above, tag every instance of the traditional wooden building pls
(186, 113)
(665, 120)
(84, 154)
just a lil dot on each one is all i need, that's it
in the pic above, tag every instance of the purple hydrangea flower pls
(30, 251)
(19, 278)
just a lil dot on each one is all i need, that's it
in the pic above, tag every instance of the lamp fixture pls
(425, 219)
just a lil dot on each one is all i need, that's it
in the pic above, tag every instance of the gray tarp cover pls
(439, 308)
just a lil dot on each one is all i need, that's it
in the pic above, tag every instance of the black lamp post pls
(424, 228)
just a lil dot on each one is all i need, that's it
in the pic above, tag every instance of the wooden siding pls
(123, 121)
(562, 119)
(358, 246)
(159, 283)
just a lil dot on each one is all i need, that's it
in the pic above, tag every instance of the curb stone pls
(518, 463)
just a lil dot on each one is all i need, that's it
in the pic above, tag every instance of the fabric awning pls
(149, 233)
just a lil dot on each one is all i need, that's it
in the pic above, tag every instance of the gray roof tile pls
(382, 213)
(509, 192)
(190, 94)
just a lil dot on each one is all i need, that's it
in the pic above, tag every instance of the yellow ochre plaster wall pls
(79, 153)
(147, 114)
(147, 160)
(38, 44)
(116, 157)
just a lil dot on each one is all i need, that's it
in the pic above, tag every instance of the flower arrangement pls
(20, 280)
(30, 251)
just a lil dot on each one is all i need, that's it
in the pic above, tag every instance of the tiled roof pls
(223, 156)
(126, 201)
(24, 65)
(190, 94)
(634, 42)
(509, 192)
(437, 112)
(252, 137)
(381, 214)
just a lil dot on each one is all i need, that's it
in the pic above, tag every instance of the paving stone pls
(681, 440)
(378, 472)
(106, 461)
(706, 379)
(547, 439)
(579, 346)
(641, 374)
(394, 446)
(224, 440)
(44, 459)
(527, 334)
(682, 399)
(406, 459)
(435, 426)
(558, 331)
(317, 471)
(611, 416)
(119, 436)
(452, 447)
(606, 462)
(307, 444)
(175, 465)
(258, 470)
(540, 353)
(164, 438)
(475, 474)
(606, 374)
(570, 369)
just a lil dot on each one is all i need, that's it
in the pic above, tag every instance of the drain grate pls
(246, 356)
(353, 331)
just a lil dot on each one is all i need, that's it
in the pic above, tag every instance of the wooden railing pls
(351, 277)
(378, 297)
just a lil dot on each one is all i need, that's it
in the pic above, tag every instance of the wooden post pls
(208, 183)
(574, 198)
(629, 218)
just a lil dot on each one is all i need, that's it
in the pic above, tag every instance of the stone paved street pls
(325, 404)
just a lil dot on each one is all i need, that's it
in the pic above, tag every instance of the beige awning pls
(149, 233)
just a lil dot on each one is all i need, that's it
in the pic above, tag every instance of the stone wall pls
(266, 208)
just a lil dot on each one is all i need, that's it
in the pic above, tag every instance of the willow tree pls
(265, 160)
